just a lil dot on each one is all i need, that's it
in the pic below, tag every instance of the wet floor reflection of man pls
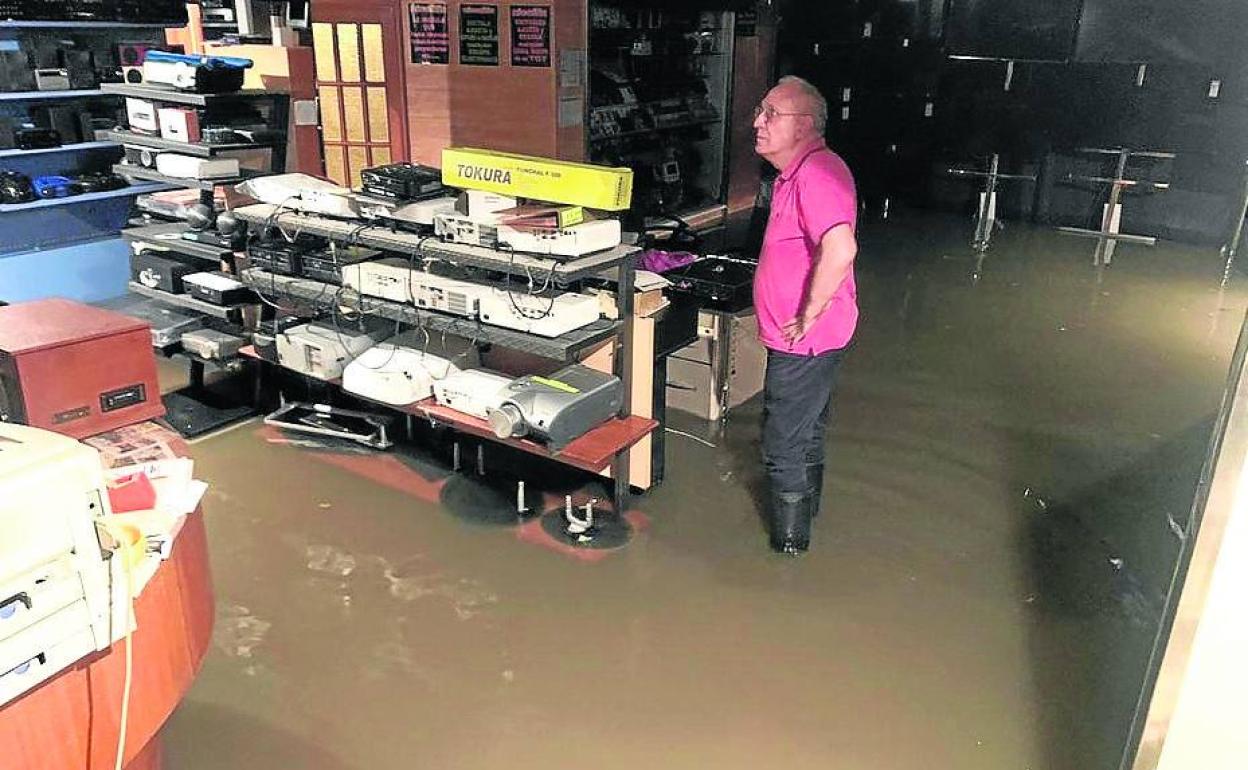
(805, 298)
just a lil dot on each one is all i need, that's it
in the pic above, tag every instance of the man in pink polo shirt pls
(805, 298)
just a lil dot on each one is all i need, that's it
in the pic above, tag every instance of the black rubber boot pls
(790, 522)
(814, 483)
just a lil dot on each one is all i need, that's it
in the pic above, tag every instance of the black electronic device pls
(216, 239)
(152, 11)
(89, 124)
(721, 283)
(15, 188)
(326, 264)
(16, 9)
(89, 10)
(37, 10)
(16, 74)
(80, 69)
(278, 257)
(264, 339)
(222, 135)
(156, 271)
(37, 138)
(62, 119)
(402, 181)
(109, 74)
(216, 288)
(100, 182)
(141, 156)
(8, 132)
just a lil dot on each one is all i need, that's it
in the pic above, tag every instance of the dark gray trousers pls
(797, 406)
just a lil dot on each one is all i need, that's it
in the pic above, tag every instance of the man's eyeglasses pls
(770, 113)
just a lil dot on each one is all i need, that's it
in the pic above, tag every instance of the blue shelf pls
(132, 190)
(88, 269)
(38, 96)
(89, 25)
(80, 147)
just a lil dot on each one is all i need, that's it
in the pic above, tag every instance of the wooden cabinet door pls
(359, 85)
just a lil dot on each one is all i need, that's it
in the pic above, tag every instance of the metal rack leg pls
(619, 477)
(196, 375)
(620, 471)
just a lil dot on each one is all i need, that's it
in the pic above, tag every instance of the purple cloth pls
(657, 261)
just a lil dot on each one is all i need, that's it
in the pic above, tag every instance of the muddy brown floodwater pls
(983, 588)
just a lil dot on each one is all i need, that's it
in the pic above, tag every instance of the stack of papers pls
(178, 494)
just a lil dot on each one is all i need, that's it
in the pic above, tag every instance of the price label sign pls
(478, 35)
(530, 36)
(431, 42)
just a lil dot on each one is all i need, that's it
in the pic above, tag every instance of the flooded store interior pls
(1010, 456)
(621, 384)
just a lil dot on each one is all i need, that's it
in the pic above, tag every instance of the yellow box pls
(541, 179)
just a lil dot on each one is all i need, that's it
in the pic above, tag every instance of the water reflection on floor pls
(1009, 457)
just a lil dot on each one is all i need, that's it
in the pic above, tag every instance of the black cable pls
(523, 313)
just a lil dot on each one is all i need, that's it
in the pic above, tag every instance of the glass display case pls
(659, 94)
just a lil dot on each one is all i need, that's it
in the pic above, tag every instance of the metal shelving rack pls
(206, 187)
(324, 296)
(23, 24)
(659, 102)
(385, 238)
(78, 219)
(615, 264)
(122, 136)
(190, 98)
(195, 410)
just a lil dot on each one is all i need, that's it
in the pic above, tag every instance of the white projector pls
(475, 392)
(322, 351)
(402, 371)
(545, 316)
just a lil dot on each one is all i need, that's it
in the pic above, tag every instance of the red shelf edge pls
(590, 452)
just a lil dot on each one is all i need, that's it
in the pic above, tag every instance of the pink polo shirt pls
(811, 196)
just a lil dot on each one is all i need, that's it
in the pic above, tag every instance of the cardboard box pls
(542, 179)
(178, 124)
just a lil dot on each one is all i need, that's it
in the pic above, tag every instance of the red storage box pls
(75, 369)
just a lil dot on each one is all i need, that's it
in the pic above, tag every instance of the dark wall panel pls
(1019, 29)
(1211, 33)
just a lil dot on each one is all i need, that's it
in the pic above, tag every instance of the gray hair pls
(818, 105)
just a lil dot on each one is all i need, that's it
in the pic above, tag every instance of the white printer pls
(403, 369)
(55, 585)
(323, 350)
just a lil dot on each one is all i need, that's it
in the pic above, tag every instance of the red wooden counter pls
(71, 721)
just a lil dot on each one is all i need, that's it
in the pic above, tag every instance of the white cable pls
(698, 439)
(125, 695)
